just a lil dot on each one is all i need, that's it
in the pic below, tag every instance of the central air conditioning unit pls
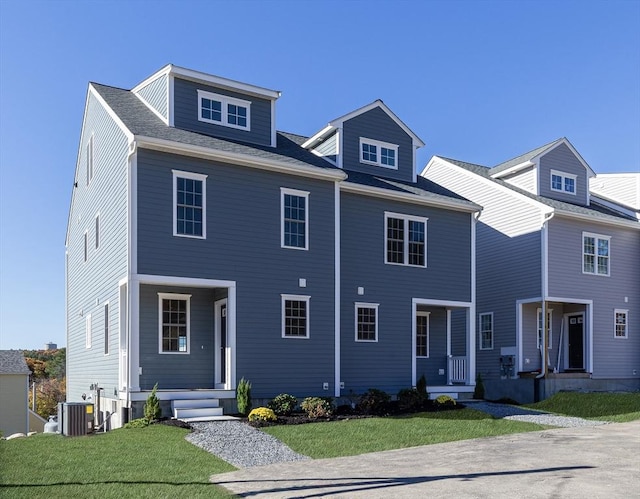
(75, 418)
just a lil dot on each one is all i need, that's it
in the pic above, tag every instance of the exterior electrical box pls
(75, 418)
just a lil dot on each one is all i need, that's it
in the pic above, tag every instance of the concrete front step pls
(197, 412)
(194, 403)
(210, 418)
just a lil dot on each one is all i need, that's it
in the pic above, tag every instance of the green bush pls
(243, 396)
(374, 401)
(411, 399)
(445, 402)
(317, 407)
(283, 405)
(152, 405)
(478, 391)
(421, 385)
(262, 414)
(137, 423)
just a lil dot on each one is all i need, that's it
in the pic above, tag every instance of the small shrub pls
(283, 405)
(421, 385)
(243, 396)
(374, 401)
(137, 423)
(478, 391)
(317, 407)
(411, 399)
(444, 402)
(152, 406)
(262, 414)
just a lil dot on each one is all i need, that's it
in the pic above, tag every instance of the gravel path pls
(240, 444)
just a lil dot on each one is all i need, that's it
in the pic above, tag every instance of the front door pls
(576, 342)
(222, 361)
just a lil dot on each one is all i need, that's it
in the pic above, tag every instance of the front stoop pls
(198, 410)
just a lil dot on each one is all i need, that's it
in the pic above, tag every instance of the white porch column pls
(231, 332)
(134, 335)
(449, 382)
(471, 344)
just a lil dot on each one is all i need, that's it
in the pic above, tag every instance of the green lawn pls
(615, 407)
(153, 462)
(359, 436)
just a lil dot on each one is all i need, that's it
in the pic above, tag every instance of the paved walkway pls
(594, 462)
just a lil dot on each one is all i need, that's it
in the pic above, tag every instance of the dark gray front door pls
(576, 342)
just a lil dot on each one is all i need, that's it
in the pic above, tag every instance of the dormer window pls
(375, 152)
(563, 182)
(223, 110)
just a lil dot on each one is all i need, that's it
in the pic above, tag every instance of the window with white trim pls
(621, 323)
(405, 240)
(97, 230)
(224, 110)
(486, 331)
(595, 254)
(89, 160)
(378, 153)
(549, 328)
(563, 182)
(106, 328)
(366, 321)
(294, 219)
(189, 204)
(422, 334)
(87, 331)
(174, 322)
(86, 246)
(295, 316)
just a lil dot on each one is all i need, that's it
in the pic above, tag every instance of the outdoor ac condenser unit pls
(75, 418)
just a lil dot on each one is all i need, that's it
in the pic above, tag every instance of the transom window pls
(224, 110)
(563, 182)
(595, 254)
(378, 153)
(295, 316)
(621, 323)
(189, 200)
(405, 240)
(367, 322)
(294, 223)
(422, 334)
(174, 322)
(549, 328)
(486, 331)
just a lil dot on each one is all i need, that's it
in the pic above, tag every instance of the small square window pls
(367, 322)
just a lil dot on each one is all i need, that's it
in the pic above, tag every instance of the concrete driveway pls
(587, 462)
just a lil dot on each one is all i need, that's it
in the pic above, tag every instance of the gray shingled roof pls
(13, 362)
(594, 210)
(528, 156)
(140, 120)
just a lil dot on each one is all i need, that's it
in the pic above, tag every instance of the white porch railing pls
(458, 369)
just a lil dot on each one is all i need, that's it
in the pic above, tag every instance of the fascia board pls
(241, 159)
(514, 169)
(318, 136)
(439, 202)
(614, 205)
(630, 224)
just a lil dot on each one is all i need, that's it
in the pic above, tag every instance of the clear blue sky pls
(480, 81)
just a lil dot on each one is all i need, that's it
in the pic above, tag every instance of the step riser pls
(194, 403)
(197, 413)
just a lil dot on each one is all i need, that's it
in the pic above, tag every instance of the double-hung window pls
(106, 328)
(422, 334)
(97, 230)
(595, 254)
(405, 240)
(549, 329)
(621, 323)
(366, 322)
(189, 204)
(224, 110)
(295, 316)
(87, 331)
(174, 319)
(486, 331)
(378, 153)
(89, 160)
(294, 219)
(563, 182)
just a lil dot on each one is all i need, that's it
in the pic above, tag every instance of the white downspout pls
(544, 255)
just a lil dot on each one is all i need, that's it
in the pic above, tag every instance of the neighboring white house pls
(14, 393)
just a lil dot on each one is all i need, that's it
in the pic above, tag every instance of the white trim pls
(112, 114)
(85, 247)
(134, 335)
(379, 145)
(224, 101)
(539, 332)
(90, 158)
(194, 282)
(514, 169)
(617, 311)
(317, 137)
(630, 224)
(193, 176)
(336, 289)
(615, 205)
(415, 347)
(123, 362)
(97, 231)
(171, 100)
(303, 194)
(217, 305)
(135, 91)
(106, 310)
(358, 305)
(181, 297)
(563, 181)
(274, 133)
(597, 238)
(480, 331)
(405, 219)
(87, 331)
(304, 298)
(339, 147)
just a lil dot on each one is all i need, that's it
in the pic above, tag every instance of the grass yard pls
(359, 436)
(615, 407)
(153, 462)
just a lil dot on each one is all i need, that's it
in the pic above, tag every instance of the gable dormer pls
(211, 105)
(555, 170)
(370, 140)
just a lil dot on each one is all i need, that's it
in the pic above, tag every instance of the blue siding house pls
(204, 246)
(553, 242)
